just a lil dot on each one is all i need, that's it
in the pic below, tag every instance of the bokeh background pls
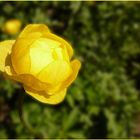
(104, 101)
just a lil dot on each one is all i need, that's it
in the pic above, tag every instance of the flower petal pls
(41, 54)
(32, 28)
(5, 50)
(55, 72)
(28, 80)
(20, 55)
(75, 64)
(44, 98)
(59, 39)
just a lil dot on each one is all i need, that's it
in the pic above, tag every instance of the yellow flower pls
(41, 61)
(12, 26)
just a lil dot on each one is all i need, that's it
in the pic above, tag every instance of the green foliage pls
(104, 99)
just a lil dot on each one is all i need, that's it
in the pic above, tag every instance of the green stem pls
(21, 116)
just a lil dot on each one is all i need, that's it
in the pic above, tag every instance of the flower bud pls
(12, 26)
(41, 61)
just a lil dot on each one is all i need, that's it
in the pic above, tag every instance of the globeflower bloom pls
(12, 26)
(41, 61)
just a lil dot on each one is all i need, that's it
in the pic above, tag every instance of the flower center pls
(42, 52)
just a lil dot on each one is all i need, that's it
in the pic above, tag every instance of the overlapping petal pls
(44, 97)
(59, 39)
(28, 80)
(41, 54)
(31, 29)
(5, 50)
(20, 56)
(75, 64)
(55, 72)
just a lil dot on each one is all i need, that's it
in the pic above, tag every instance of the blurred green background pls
(104, 100)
